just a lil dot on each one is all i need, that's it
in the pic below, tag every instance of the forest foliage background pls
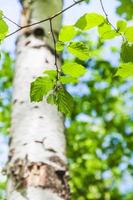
(100, 130)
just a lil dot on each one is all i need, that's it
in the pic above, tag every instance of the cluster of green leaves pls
(100, 136)
(3, 27)
(53, 87)
(53, 83)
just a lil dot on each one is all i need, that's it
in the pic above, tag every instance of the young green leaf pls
(79, 49)
(73, 69)
(64, 101)
(40, 87)
(67, 33)
(68, 79)
(3, 29)
(127, 52)
(89, 21)
(125, 70)
(105, 32)
(60, 46)
(51, 73)
(51, 99)
(121, 25)
(129, 33)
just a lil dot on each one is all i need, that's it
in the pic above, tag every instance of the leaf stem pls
(105, 13)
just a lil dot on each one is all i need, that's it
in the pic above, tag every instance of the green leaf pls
(3, 29)
(74, 69)
(51, 99)
(67, 33)
(79, 49)
(68, 79)
(121, 25)
(89, 21)
(105, 32)
(129, 33)
(60, 46)
(40, 87)
(125, 70)
(127, 52)
(51, 73)
(64, 101)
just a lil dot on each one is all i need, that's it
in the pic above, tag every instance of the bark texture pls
(37, 161)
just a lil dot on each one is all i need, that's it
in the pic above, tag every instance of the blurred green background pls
(100, 131)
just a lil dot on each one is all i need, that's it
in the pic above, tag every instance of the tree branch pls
(11, 21)
(44, 20)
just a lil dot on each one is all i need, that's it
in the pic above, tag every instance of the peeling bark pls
(37, 159)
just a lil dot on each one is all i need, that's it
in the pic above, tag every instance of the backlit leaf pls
(74, 69)
(59, 46)
(129, 33)
(105, 32)
(3, 29)
(89, 21)
(121, 25)
(51, 73)
(67, 33)
(125, 70)
(68, 79)
(79, 49)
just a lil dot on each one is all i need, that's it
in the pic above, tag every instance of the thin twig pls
(105, 13)
(46, 19)
(55, 52)
(12, 21)
(13, 33)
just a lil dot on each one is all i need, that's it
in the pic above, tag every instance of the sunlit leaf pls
(51, 73)
(79, 49)
(73, 69)
(68, 79)
(129, 33)
(89, 21)
(121, 25)
(3, 29)
(125, 70)
(67, 33)
(59, 46)
(105, 32)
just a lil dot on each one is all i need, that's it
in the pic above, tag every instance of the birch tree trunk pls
(37, 162)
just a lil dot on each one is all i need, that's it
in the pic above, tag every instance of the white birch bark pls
(37, 161)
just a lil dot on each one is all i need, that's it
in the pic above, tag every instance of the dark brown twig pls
(12, 21)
